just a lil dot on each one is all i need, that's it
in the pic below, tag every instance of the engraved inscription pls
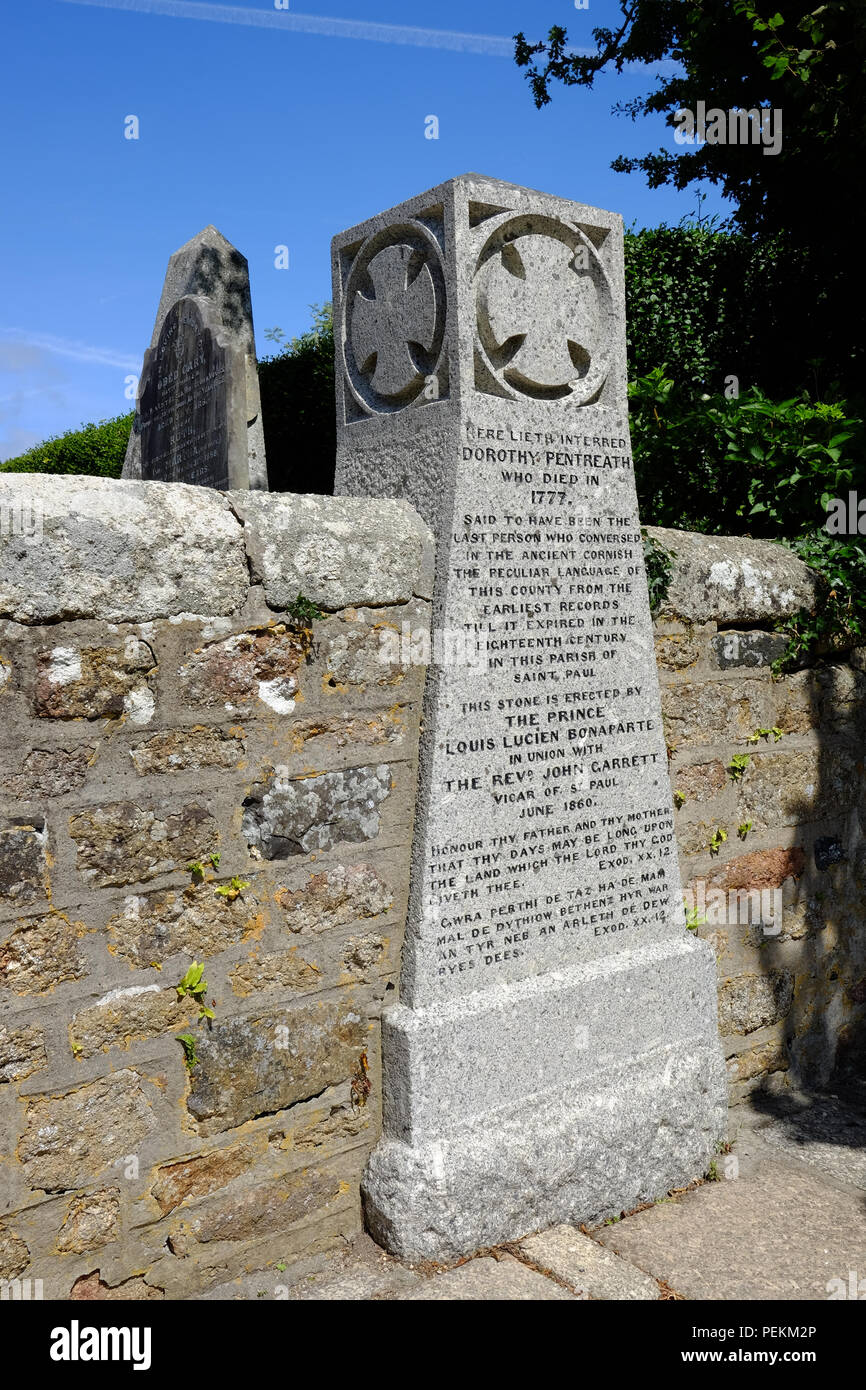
(546, 853)
(183, 403)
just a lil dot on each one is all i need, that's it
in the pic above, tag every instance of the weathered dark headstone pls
(198, 413)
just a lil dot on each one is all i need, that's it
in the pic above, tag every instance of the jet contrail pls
(488, 44)
(64, 347)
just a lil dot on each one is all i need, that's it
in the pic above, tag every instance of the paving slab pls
(358, 1281)
(489, 1280)
(821, 1130)
(780, 1232)
(587, 1267)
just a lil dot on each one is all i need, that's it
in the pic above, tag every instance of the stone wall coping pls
(79, 547)
(734, 579)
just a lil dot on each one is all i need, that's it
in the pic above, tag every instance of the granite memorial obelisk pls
(554, 1053)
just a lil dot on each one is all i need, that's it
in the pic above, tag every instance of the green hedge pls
(95, 448)
(753, 466)
(298, 411)
(740, 464)
(711, 304)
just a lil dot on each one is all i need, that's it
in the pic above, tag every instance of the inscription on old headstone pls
(554, 1055)
(198, 413)
(183, 401)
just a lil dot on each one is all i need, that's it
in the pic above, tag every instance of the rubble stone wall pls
(191, 773)
(776, 764)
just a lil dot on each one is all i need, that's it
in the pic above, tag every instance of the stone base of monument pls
(567, 1097)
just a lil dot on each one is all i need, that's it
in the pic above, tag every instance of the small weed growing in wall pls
(765, 733)
(738, 765)
(303, 612)
(659, 564)
(693, 918)
(190, 1056)
(232, 889)
(361, 1083)
(717, 840)
(679, 800)
(194, 985)
(743, 830)
(197, 868)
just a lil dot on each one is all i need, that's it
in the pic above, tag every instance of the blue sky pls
(275, 134)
